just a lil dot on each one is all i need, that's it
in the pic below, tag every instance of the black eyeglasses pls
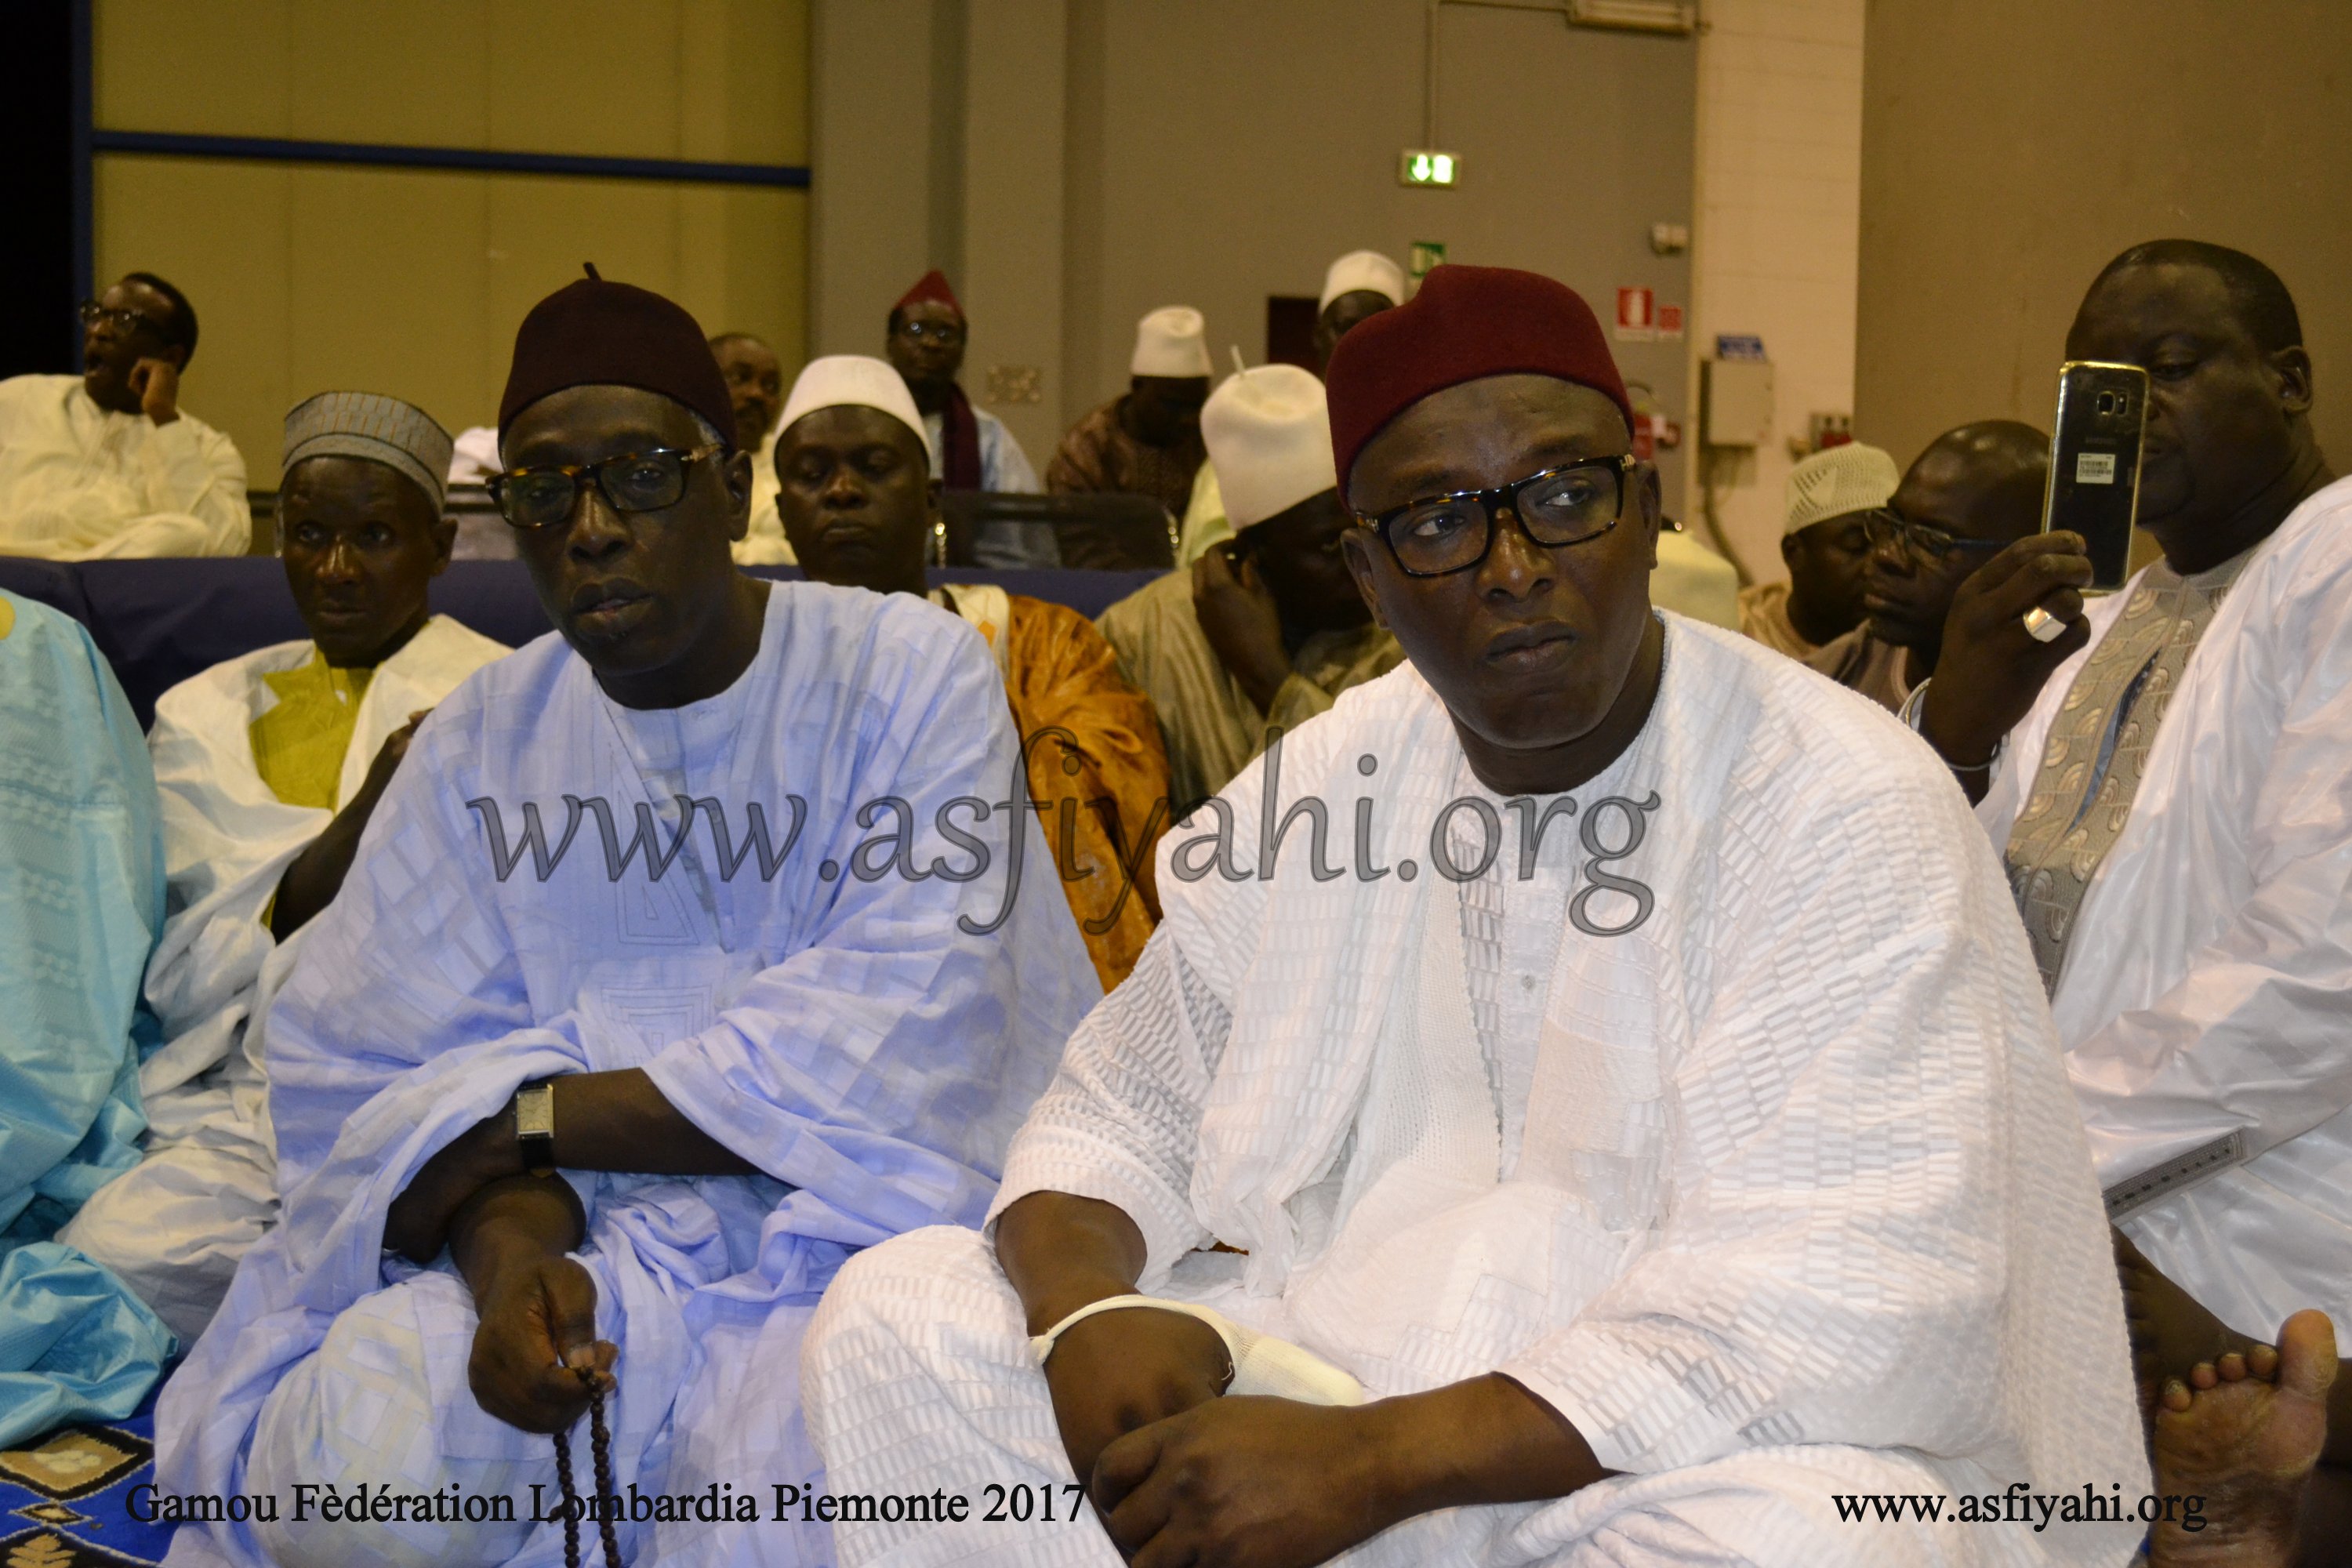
(930, 331)
(634, 482)
(1455, 531)
(1887, 526)
(121, 318)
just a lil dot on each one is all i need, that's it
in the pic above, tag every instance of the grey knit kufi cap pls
(371, 426)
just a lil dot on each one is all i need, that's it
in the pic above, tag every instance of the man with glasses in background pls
(1973, 492)
(1826, 548)
(635, 1017)
(1618, 1194)
(1261, 632)
(925, 339)
(107, 463)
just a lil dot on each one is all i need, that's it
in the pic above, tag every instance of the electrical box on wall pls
(1736, 400)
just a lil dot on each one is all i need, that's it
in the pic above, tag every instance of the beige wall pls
(1117, 155)
(2011, 147)
(1774, 246)
(1011, 235)
(307, 278)
(937, 141)
(869, 155)
(1244, 145)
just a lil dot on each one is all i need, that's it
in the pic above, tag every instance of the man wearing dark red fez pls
(1646, 1131)
(925, 341)
(928, 336)
(625, 1029)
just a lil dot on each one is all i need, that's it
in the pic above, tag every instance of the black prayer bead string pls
(600, 1451)
(571, 1501)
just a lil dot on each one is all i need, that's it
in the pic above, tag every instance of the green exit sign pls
(1425, 166)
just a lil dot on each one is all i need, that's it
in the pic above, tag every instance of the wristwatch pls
(534, 1112)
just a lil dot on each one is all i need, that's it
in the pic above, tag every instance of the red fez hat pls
(933, 286)
(1465, 323)
(595, 333)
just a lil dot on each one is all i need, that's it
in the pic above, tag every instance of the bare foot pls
(2235, 1441)
(2171, 1332)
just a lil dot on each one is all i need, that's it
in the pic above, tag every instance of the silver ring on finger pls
(2043, 626)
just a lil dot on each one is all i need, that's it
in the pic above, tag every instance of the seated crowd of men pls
(1391, 1045)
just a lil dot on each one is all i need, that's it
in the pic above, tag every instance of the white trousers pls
(916, 1375)
(386, 1401)
(175, 1226)
(172, 1227)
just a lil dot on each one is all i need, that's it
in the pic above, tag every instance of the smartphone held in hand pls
(2093, 486)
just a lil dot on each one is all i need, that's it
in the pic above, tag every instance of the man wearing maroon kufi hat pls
(1634, 1127)
(926, 338)
(624, 1029)
(925, 341)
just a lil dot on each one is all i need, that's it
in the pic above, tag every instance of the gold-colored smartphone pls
(2093, 487)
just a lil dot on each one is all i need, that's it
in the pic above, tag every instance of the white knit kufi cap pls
(1269, 438)
(1851, 478)
(857, 381)
(1362, 269)
(368, 425)
(1171, 341)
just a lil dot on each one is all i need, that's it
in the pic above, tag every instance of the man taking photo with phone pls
(2165, 771)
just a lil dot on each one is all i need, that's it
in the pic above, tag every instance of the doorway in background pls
(1290, 330)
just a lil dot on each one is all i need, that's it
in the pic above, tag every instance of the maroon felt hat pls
(1465, 323)
(597, 333)
(932, 285)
